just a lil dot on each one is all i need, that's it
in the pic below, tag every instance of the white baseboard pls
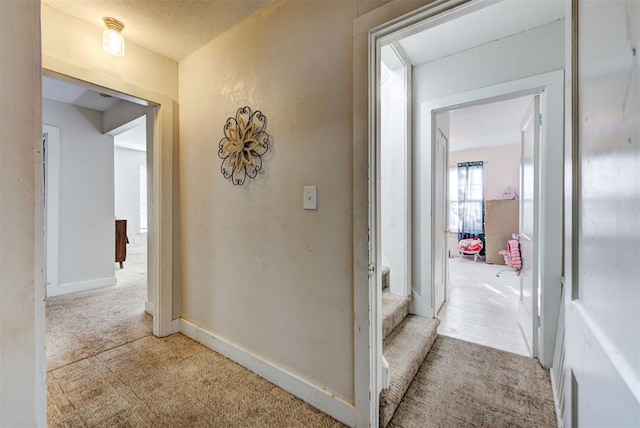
(148, 307)
(556, 399)
(314, 395)
(419, 307)
(74, 287)
(175, 326)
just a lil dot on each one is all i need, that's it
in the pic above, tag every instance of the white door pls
(439, 219)
(528, 301)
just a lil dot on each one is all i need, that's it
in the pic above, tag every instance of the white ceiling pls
(68, 93)
(487, 125)
(490, 23)
(134, 138)
(172, 28)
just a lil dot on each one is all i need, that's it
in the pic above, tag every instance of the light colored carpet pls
(462, 384)
(84, 324)
(170, 382)
(405, 349)
(394, 309)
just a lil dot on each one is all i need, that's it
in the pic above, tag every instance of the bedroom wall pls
(501, 169)
(86, 199)
(129, 154)
(127, 195)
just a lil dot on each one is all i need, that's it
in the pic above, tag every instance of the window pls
(143, 198)
(471, 191)
(453, 200)
(470, 199)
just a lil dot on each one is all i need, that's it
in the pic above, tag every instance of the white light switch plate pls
(310, 198)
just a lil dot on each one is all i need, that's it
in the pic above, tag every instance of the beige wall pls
(258, 270)
(22, 368)
(501, 167)
(68, 40)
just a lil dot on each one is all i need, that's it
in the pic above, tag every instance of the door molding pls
(549, 206)
(51, 204)
(164, 126)
(394, 20)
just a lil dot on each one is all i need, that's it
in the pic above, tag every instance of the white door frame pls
(549, 167)
(405, 288)
(51, 203)
(159, 242)
(428, 16)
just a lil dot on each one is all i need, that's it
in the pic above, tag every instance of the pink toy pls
(471, 246)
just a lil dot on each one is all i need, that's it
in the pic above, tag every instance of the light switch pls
(310, 198)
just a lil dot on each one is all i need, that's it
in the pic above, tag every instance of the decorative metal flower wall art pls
(244, 144)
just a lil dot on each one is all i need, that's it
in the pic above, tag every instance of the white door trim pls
(160, 245)
(549, 208)
(367, 388)
(51, 205)
(399, 170)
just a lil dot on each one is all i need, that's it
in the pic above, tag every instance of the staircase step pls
(394, 309)
(386, 272)
(406, 349)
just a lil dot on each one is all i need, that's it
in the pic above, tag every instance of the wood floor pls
(482, 308)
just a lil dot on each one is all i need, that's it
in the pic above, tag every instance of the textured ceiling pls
(173, 28)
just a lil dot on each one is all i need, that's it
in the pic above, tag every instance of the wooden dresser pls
(121, 241)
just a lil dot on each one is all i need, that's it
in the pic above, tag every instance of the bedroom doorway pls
(479, 214)
(540, 171)
(102, 141)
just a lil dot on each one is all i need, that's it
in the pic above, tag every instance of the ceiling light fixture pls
(112, 38)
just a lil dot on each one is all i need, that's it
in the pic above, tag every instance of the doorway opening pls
(479, 298)
(498, 60)
(96, 145)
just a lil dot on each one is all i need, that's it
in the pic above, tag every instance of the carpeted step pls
(386, 272)
(394, 309)
(405, 349)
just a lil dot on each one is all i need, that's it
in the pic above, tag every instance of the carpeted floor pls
(462, 384)
(105, 369)
(84, 324)
(170, 382)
